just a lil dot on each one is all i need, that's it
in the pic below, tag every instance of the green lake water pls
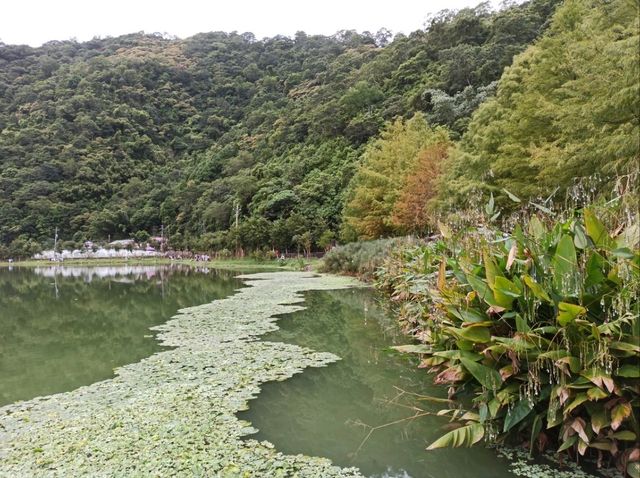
(323, 411)
(64, 327)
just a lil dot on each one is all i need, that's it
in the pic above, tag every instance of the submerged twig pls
(419, 412)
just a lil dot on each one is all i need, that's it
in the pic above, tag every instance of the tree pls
(412, 211)
(567, 108)
(382, 176)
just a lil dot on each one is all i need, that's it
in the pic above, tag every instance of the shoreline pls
(231, 264)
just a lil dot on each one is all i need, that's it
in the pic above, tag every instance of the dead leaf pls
(512, 255)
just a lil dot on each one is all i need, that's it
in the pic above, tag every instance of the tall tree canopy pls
(569, 107)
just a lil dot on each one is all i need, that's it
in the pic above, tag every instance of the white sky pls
(34, 22)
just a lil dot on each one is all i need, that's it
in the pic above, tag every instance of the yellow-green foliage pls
(382, 175)
(568, 107)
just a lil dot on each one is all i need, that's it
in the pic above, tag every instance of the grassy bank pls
(232, 264)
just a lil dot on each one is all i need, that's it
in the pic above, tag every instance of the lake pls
(65, 327)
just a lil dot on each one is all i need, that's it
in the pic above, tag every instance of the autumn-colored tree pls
(378, 183)
(411, 211)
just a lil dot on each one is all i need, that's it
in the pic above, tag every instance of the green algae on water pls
(173, 414)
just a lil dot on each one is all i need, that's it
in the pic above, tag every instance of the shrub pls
(223, 254)
(359, 258)
(538, 329)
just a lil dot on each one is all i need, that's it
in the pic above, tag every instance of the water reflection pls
(132, 272)
(62, 327)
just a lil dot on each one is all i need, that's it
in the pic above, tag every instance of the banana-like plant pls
(539, 328)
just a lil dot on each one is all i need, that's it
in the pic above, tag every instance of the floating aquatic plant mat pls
(174, 412)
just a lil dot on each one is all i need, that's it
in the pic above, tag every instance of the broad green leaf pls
(512, 196)
(554, 354)
(460, 437)
(494, 407)
(573, 362)
(594, 269)
(623, 252)
(469, 315)
(602, 445)
(565, 267)
(596, 230)
(489, 208)
(596, 393)
(541, 208)
(413, 349)
(490, 268)
(626, 346)
(547, 329)
(633, 469)
(599, 377)
(518, 413)
(582, 446)
(506, 287)
(506, 372)
(509, 394)
(518, 344)
(504, 292)
(487, 377)
(519, 234)
(569, 312)
(482, 288)
(624, 435)
(483, 411)
(554, 415)
(568, 443)
(629, 371)
(536, 228)
(579, 237)
(465, 345)
(480, 335)
(536, 288)
(614, 275)
(458, 354)
(521, 324)
(630, 237)
(579, 400)
(599, 420)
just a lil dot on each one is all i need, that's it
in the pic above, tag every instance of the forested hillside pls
(118, 136)
(564, 125)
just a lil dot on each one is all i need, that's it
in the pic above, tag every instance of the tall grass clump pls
(535, 331)
(361, 258)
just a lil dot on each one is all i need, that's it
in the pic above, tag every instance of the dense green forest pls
(312, 138)
(115, 137)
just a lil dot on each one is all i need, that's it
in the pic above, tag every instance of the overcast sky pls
(34, 22)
